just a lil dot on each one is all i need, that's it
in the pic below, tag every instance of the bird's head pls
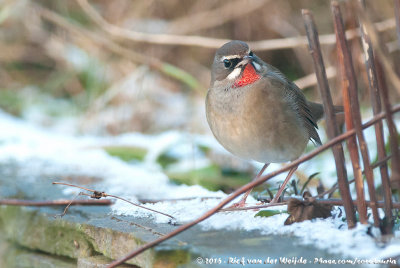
(235, 65)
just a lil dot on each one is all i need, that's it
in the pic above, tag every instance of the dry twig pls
(98, 195)
(207, 42)
(353, 120)
(377, 108)
(332, 129)
(154, 63)
(212, 18)
(61, 202)
(379, 48)
(311, 80)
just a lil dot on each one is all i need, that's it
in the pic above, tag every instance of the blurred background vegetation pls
(85, 67)
(54, 56)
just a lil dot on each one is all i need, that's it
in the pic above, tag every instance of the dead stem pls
(98, 195)
(377, 108)
(207, 42)
(177, 199)
(253, 207)
(33, 203)
(154, 63)
(330, 201)
(379, 48)
(332, 129)
(211, 18)
(353, 120)
(67, 207)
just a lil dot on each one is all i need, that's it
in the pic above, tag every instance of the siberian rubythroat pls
(256, 112)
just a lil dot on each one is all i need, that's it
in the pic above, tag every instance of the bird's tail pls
(317, 110)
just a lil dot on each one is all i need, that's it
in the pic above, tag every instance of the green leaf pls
(268, 213)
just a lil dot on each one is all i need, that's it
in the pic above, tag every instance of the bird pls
(256, 113)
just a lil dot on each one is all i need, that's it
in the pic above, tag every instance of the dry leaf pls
(306, 210)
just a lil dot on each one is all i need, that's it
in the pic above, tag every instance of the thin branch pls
(397, 16)
(61, 202)
(332, 128)
(352, 107)
(378, 47)
(332, 189)
(154, 63)
(253, 207)
(339, 202)
(98, 195)
(177, 199)
(330, 201)
(311, 80)
(207, 42)
(377, 108)
(393, 134)
(212, 18)
(247, 187)
(67, 207)
(379, 163)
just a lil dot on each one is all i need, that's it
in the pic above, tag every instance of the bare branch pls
(98, 195)
(154, 63)
(61, 202)
(332, 128)
(207, 42)
(211, 18)
(311, 80)
(378, 47)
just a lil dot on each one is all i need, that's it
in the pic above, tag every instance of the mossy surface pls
(171, 258)
(30, 229)
(126, 153)
(16, 256)
(211, 177)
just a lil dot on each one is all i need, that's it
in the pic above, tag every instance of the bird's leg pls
(278, 194)
(242, 201)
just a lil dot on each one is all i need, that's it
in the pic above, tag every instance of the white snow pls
(40, 150)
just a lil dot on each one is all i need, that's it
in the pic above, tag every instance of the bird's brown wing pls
(304, 110)
(297, 101)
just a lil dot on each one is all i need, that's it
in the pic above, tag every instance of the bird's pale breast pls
(254, 122)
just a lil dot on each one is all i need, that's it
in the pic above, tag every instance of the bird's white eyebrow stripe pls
(230, 57)
(234, 56)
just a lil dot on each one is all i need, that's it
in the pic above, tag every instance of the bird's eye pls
(251, 54)
(227, 63)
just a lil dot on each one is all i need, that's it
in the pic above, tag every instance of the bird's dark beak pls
(245, 61)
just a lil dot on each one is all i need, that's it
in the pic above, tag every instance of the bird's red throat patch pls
(248, 77)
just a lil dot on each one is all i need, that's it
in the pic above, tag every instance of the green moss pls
(211, 177)
(164, 160)
(171, 258)
(29, 229)
(36, 231)
(204, 149)
(15, 256)
(11, 102)
(126, 153)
